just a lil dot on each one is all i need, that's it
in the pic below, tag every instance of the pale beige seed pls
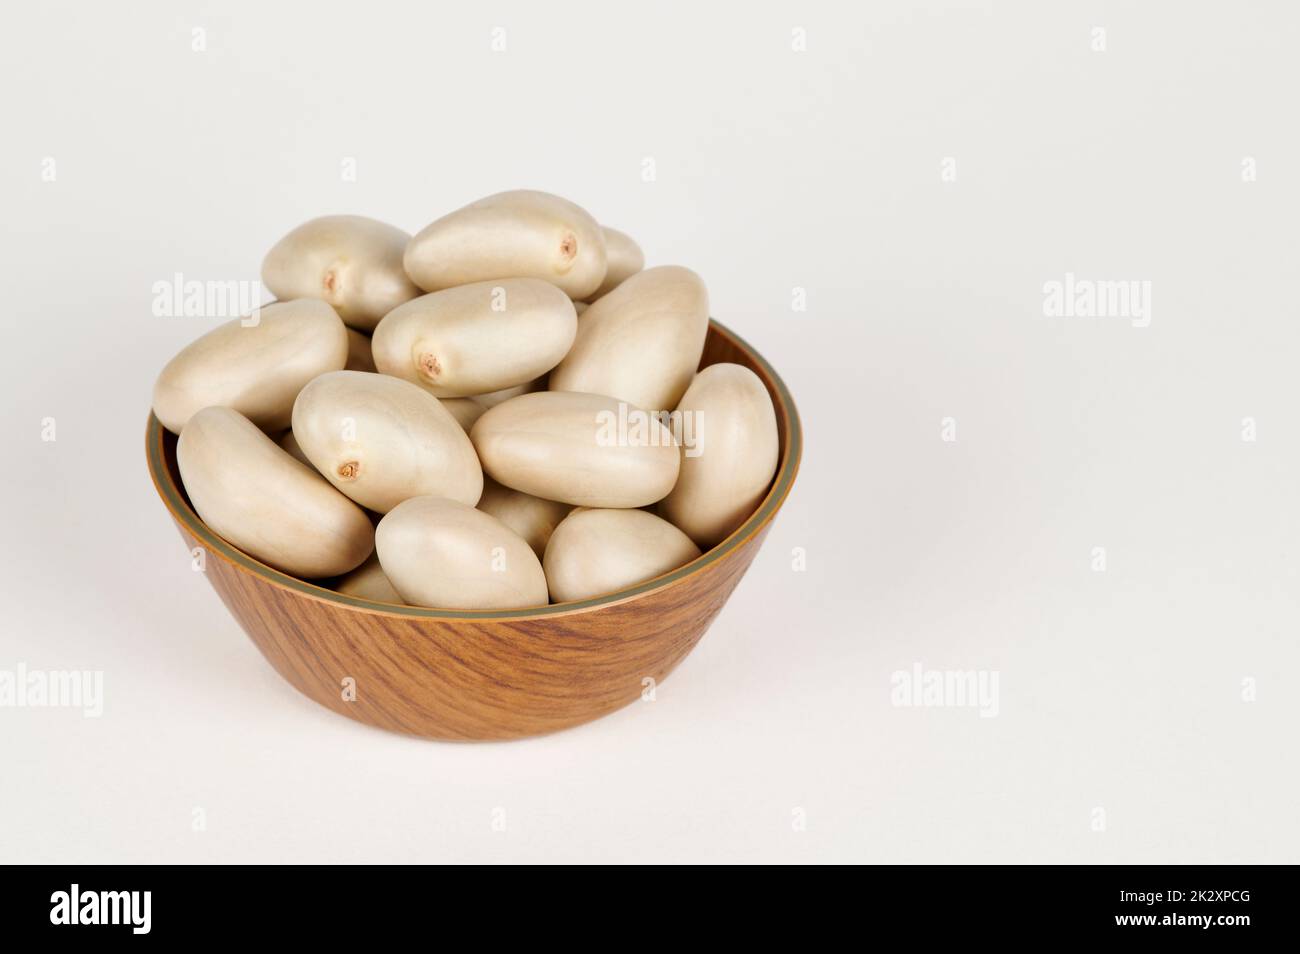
(266, 503)
(728, 415)
(350, 261)
(623, 258)
(476, 339)
(583, 449)
(256, 365)
(443, 554)
(531, 517)
(381, 440)
(595, 552)
(521, 234)
(642, 342)
(368, 582)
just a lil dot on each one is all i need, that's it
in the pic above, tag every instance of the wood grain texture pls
(483, 675)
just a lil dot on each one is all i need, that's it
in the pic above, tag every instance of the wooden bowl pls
(445, 674)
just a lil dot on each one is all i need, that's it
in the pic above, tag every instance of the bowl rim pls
(787, 468)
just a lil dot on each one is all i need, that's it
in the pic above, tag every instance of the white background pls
(1120, 690)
